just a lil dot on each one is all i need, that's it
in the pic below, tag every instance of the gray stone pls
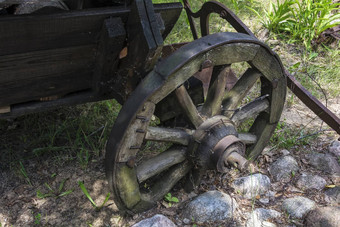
(156, 221)
(309, 181)
(335, 148)
(332, 196)
(298, 206)
(324, 162)
(283, 168)
(285, 152)
(323, 216)
(209, 207)
(260, 216)
(186, 221)
(252, 185)
(264, 200)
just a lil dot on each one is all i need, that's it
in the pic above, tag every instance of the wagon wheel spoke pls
(250, 110)
(233, 97)
(188, 106)
(161, 188)
(160, 163)
(212, 105)
(247, 138)
(173, 135)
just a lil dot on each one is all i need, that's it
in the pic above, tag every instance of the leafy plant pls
(293, 173)
(171, 199)
(286, 137)
(37, 219)
(24, 173)
(54, 193)
(300, 20)
(98, 208)
(275, 15)
(83, 157)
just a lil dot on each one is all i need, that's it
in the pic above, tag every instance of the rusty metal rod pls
(313, 103)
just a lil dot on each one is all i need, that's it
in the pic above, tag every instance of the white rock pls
(186, 221)
(260, 216)
(264, 200)
(252, 185)
(210, 207)
(156, 221)
(285, 152)
(298, 206)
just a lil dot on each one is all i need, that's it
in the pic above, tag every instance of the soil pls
(22, 204)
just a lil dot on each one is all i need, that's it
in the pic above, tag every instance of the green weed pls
(24, 173)
(276, 14)
(83, 157)
(287, 137)
(300, 20)
(37, 219)
(293, 173)
(170, 199)
(98, 208)
(54, 193)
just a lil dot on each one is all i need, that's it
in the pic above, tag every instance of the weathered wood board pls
(58, 54)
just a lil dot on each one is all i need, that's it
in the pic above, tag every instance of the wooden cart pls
(77, 52)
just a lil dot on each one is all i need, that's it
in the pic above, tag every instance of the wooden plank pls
(5, 109)
(39, 74)
(13, 92)
(68, 100)
(111, 42)
(24, 33)
(38, 64)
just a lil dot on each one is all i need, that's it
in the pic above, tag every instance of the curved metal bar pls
(214, 7)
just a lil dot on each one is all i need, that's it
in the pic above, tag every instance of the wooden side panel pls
(111, 42)
(55, 54)
(24, 33)
(30, 76)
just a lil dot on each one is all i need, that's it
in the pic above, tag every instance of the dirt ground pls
(22, 189)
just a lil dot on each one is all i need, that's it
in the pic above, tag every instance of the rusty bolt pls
(223, 14)
(206, 64)
(131, 162)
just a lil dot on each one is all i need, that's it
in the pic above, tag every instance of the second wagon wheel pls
(213, 135)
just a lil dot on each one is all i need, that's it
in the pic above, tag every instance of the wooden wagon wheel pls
(211, 135)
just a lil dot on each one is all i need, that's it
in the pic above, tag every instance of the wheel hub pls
(215, 145)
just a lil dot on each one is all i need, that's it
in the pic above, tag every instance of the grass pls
(87, 194)
(70, 133)
(54, 192)
(287, 137)
(300, 20)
